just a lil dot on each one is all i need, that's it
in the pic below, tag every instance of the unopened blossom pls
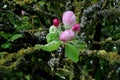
(76, 27)
(23, 12)
(67, 35)
(56, 22)
(69, 18)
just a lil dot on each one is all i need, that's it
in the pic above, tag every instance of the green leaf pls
(80, 44)
(16, 36)
(52, 36)
(6, 45)
(71, 52)
(1, 54)
(27, 77)
(54, 45)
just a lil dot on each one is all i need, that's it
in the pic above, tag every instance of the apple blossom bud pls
(76, 27)
(67, 35)
(56, 22)
(69, 18)
(23, 12)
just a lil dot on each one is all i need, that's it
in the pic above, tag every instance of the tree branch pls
(112, 57)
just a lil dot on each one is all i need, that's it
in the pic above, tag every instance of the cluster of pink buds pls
(69, 20)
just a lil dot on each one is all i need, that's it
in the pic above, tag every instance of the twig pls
(112, 57)
(107, 40)
(88, 11)
(92, 8)
(112, 72)
(114, 12)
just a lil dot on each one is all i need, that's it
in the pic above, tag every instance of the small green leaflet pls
(6, 45)
(54, 45)
(16, 36)
(52, 36)
(80, 44)
(71, 52)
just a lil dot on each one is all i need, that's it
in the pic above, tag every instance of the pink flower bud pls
(69, 18)
(56, 22)
(23, 12)
(67, 35)
(76, 27)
